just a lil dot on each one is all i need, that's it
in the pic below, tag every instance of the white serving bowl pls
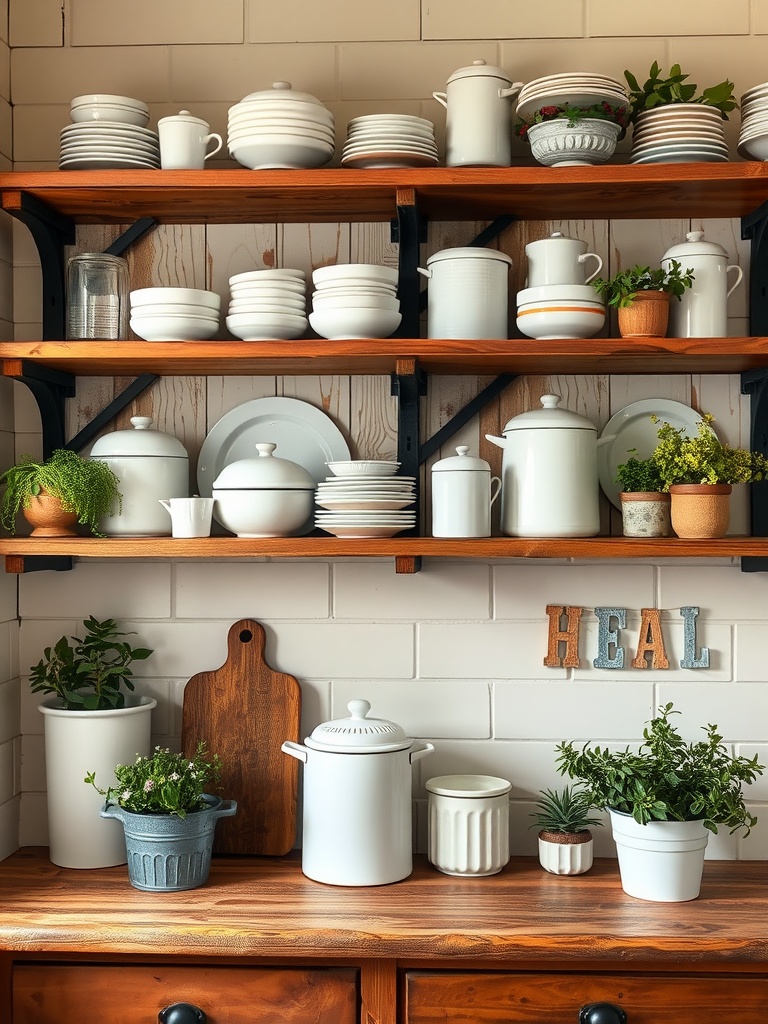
(271, 295)
(284, 287)
(363, 301)
(266, 326)
(569, 293)
(271, 274)
(263, 512)
(240, 129)
(364, 467)
(198, 296)
(174, 328)
(105, 107)
(755, 147)
(590, 141)
(174, 309)
(543, 322)
(253, 133)
(337, 272)
(269, 306)
(273, 151)
(345, 324)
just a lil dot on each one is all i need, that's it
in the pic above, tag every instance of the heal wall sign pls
(563, 639)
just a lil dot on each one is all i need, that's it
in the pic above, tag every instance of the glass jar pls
(97, 297)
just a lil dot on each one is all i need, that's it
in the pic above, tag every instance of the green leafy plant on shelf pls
(703, 458)
(86, 487)
(88, 674)
(666, 778)
(620, 290)
(636, 475)
(163, 783)
(659, 91)
(564, 810)
(573, 114)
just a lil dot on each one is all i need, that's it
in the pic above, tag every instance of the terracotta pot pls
(566, 853)
(700, 510)
(645, 513)
(646, 316)
(45, 514)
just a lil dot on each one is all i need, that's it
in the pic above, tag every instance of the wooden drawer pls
(556, 998)
(51, 993)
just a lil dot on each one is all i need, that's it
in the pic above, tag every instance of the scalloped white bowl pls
(347, 324)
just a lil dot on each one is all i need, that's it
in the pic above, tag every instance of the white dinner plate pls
(632, 428)
(363, 531)
(362, 505)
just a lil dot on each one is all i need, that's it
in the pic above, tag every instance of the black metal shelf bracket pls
(49, 389)
(755, 384)
(408, 233)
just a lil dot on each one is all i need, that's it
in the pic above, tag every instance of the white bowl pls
(277, 108)
(270, 274)
(580, 320)
(364, 467)
(345, 324)
(105, 107)
(272, 151)
(251, 133)
(174, 328)
(590, 141)
(355, 302)
(279, 512)
(174, 309)
(352, 287)
(271, 295)
(293, 288)
(266, 326)
(755, 147)
(571, 293)
(338, 272)
(150, 296)
(274, 306)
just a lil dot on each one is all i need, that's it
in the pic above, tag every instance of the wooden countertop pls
(265, 907)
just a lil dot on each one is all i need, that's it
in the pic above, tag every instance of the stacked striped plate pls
(390, 140)
(365, 502)
(679, 133)
(93, 145)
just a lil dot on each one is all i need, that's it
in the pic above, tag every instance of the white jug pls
(702, 312)
(462, 496)
(559, 260)
(468, 293)
(478, 123)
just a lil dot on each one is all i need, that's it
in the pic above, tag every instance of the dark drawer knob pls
(602, 1013)
(182, 1013)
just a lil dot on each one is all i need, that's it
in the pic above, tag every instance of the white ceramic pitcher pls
(558, 259)
(702, 312)
(478, 123)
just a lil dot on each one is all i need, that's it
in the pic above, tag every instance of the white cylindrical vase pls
(468, 824)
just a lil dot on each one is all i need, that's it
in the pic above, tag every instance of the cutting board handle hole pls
(245, 636)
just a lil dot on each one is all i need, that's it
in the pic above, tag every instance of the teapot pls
(702, 312)
(478, 124)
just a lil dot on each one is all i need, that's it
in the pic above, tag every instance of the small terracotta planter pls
(700, 511)
(45, 514)
(645, 513)
(647, 315)
(566, 853)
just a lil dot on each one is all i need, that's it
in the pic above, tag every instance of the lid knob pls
(550, 401)
(462, 449)
(184, 113)
(478, 63)
(141, 422)
(358, 709)
(265, 449)
(282, 85)
(557, 234)
(695, 236)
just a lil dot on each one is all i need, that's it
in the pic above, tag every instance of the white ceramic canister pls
(468, 824)
(550, 486)
(702, 312)
(357, 799)
(150, 465)
(559, 260)
(478, 122)
(468, 293)
(463, 492)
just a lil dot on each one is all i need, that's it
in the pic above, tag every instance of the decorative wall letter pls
(569, 636)
(689, 660)
(650, 639)
(607, 636)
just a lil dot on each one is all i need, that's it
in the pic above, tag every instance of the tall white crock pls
(357, 817)
(79, 742)
(468, 293)
(558, 260)
(662, 861)
(478, 123)
(549, 481)
(702, 312)
(462, 496)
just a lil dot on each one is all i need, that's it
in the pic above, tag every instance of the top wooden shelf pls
(446, 193)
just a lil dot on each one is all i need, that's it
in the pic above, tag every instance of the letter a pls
(651, 639)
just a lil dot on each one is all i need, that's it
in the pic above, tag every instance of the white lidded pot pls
(702, 312)
(550, 485)
(463, 492)
(468, 293)
(478, 123)
(559, 260)
(357, 799)
(150, 465)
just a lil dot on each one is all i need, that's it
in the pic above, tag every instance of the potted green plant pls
(664, 799)
(565, 841)
(658, 91)
(642, 295)
(89, 720)
(699, 472)
(644, 505)
(573, 134)
(57, 493)
(168, 817)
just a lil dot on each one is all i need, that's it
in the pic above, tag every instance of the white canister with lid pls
(468, 824)
(149, 465)
(462, 496)
(702, 312)
(478, 123)
(357, 816)
(559, 260)
(550, 485)
(468, 293)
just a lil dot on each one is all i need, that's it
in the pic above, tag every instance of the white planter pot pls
(662, 861)
(78, 742)
(566, 853)
(468, 824)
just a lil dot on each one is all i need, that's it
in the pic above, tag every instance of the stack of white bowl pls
(364, 498)
(268, 305)
(753, 137)
(389, 140)
(107, 132)
(355, 300)
(679, 133)
(279, 127)
(175, 314)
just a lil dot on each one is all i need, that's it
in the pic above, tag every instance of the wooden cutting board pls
(244, 711)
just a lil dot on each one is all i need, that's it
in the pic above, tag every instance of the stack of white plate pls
(280, 127)
(753, 137)
(364, 498)
(175, 314)
(355, 300)
(572, 89)
(390, 140)
(108, 132)
(679, 133)
(268, 305)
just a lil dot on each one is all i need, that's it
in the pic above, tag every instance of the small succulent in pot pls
(565, 839)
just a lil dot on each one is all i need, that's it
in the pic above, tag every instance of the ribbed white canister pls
(468, 824)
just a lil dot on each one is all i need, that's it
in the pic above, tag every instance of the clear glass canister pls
(97, 296)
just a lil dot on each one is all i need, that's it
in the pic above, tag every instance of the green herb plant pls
(703, 458)
(86, 487)
(573, 114)
(89, 674)
(163, 783)
(658, 91)
(638, 475)
(565, 810)
(620, 290)
(666, 779)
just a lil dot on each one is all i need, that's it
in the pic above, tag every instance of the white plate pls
(685, 156)
(362, 505)
(632, 427)
(384, 160)
(363, 531)
(302, 433)
(95, 163)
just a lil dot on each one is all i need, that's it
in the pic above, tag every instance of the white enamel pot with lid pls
(150, 466)
(478, 123)
(702, 312)
(463, 492)
(357, 799)
(550, 485)
(467, 295)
